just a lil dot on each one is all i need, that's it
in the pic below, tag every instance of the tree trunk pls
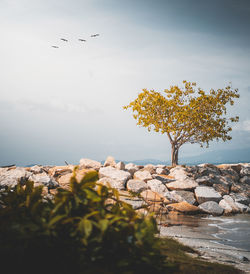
(174, 154)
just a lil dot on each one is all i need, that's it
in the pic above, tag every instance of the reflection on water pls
(233, 231)
(177, 219)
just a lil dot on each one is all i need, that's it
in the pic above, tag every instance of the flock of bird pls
(80, 39)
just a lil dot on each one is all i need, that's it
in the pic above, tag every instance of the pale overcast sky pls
(66, 103)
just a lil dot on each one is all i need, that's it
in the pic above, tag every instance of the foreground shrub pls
(86, 229)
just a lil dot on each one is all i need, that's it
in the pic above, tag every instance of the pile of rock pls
(205, 188)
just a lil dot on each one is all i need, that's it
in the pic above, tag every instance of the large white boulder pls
(179, 173)
(157, 186)
(205, 193)
(120, 176)
(143, 175)
(89, 164)
(182, 184)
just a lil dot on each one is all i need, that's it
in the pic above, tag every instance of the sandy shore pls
(200, 234)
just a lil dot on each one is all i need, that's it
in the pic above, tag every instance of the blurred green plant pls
(85, 229)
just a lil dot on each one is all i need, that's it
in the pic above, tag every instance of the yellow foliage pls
(186, 115)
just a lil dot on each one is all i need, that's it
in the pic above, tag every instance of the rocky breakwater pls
(201, 189)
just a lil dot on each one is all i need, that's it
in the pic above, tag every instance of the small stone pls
(131, 168)
(245, 171)
(110, 161)
(161, 171)
(151, 168)
(120, 166)
(245, 180)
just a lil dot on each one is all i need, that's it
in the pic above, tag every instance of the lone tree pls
(186, 115)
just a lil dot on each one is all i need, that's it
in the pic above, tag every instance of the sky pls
(66, 103)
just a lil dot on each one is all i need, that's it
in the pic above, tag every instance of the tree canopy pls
(186, 115)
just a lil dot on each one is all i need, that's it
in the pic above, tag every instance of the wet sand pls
(208, 236)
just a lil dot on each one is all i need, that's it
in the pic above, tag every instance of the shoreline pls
(201, 236)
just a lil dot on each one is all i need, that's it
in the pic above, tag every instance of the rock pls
(230, 173)
(110, 161)
(205, 180)
(157, 186)
(187, 196)
(243, 208)
(211, 207)
(131, 168)
(120, 176)
(120, 166)
(205, 193)
(89, 164)
(44, 179)
(136, 185)
(150, 168)
(188, 184)
(136, 203)
(57, 171)
(163, 178)
(238, 187)
(10, 177)
(245, 180)
(222, 188)
(179, 173)
(206, 170)
(180, 196)
(161, 166)
(161, 171)
(231, 202)
(109, 182)
(143, 175)
(245, 171)
(36, 169)
(227, 208)
(151, 196)
(64, 180)
(173, 197)
(240, 198)
(235, 167)
(157, 208)
(183, 207)
(80, 174)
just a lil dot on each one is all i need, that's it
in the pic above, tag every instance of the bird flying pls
(94, 35)
(63, 39)
(82, 40)
(56, 47)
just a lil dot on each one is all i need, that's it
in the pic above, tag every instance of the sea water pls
(233, 231)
